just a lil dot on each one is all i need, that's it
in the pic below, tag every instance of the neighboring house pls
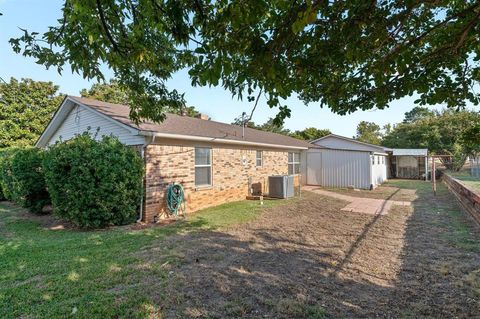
(344, 162)
(215, 162)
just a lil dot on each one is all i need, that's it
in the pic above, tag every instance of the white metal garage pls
(342, 162)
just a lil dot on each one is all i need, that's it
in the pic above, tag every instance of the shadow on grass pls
(306, 259)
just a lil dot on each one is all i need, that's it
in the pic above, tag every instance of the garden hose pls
(176, 200)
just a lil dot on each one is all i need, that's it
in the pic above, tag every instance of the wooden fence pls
(469, 198)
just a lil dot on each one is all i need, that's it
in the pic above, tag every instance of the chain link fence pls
(475, 167)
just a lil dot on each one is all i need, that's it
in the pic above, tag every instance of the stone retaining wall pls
(469, 198)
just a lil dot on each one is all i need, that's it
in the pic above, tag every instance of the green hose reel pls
(176, 202)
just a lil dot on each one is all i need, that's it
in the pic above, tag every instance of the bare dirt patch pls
(312, 260)
(380, 192)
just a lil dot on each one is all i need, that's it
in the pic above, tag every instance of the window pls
(373, 160)
(203, 166)
(259, 158)
(378, 160)
(293, 163)
(383, 159)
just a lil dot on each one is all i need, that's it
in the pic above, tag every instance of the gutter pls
(216, 140)
(142, 154)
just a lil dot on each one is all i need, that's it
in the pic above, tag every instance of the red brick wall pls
(230, 175)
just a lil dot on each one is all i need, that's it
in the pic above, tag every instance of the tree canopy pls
(26, 107)
(110, 92)
(310, 133)
(307, 134)
(347, 55)
(447, 132)
(369, 132)
(417, 113)
(471, 139)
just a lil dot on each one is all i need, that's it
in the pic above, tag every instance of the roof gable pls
(62, 117)
(176, 126)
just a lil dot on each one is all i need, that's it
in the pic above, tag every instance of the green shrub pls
(28, 186)
(94, 183)
(6, 176)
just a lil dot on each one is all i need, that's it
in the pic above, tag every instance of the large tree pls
(446, 133)
(310, 133)
(369, 132)
(417, 113)
(347, 55)
(110, 92)
(471, 140)
(26, 106)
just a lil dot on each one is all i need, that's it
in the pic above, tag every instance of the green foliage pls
(272, 126)
(110, 92)
(94, 183)
(471, 139)
(29, 189)
(269, 126)
(417, 113)
(6, 176)
(114, 92)
(26, 107)
(347, 55)
(310, 133)
(369, 132)
(442, 133)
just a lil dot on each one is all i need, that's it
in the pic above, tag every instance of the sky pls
(37, 15)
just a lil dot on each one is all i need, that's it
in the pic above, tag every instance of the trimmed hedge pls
(28, 187)
(6, 176)
(94, 183)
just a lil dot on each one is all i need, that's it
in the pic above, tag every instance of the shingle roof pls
(410, 152)
(183, 125)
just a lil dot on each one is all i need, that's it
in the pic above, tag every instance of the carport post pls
(426, 168)
(434, 180)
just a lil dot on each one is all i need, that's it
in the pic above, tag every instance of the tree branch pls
(466, 30)
(255, 106)
(105, 27)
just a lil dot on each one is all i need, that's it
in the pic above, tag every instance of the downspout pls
(142, 154)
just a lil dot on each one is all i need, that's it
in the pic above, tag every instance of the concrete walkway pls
(362, 205)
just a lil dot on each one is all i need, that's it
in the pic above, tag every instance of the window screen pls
(293, 163)
(203, 166)
(259, 158)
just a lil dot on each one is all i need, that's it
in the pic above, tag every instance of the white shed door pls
(314, 168)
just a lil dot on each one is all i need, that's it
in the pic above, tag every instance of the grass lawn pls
(465, 177)
(47, 273)
(299, 258)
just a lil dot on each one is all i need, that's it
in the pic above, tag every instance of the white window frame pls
(294, 163)
(257, 159)
(203, 165)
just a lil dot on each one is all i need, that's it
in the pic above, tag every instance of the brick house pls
(215, 162)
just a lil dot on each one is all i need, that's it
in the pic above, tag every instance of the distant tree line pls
(445, 132)
(307, 134)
